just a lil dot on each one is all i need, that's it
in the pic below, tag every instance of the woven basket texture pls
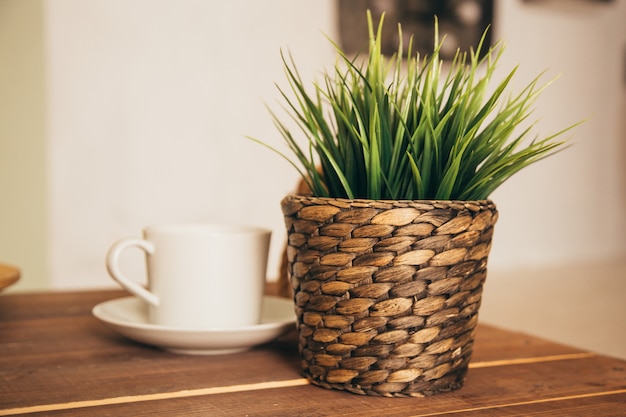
(387, 292)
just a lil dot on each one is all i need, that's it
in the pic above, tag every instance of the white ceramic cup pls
(200, 276)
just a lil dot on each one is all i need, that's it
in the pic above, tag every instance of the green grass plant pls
(402, 128)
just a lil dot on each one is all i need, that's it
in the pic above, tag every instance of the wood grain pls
(56, 358)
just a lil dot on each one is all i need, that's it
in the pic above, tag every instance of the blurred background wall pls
(117, 114)
(23, 141)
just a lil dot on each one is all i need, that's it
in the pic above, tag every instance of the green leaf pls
(396, 128)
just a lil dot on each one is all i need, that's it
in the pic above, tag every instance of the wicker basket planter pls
(387, 292)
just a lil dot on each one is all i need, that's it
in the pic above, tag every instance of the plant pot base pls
(450, 382)
(387, 292)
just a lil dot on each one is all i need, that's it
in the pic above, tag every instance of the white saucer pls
(128, 316)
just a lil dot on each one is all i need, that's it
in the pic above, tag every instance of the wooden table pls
(57, 359)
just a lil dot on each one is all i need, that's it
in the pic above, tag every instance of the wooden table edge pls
(229, 389)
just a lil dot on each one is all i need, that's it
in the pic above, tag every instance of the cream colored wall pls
(23, 204)
(149, 104)
(148, 101)
(559, 257)
(569, 208)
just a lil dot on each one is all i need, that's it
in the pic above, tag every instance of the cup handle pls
(112, 262)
